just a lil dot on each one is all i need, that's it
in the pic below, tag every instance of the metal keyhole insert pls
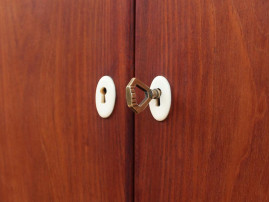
(103, 92)
(158, 100)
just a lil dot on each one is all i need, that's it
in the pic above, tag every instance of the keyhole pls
(103, 91)
(158, 101)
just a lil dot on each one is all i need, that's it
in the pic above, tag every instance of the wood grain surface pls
(214, 144)
(53, 144)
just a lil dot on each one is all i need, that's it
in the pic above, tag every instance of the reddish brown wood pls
(214, 144)
(53, 144)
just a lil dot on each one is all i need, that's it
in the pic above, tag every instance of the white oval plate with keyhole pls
(105, 96)
(160, 108)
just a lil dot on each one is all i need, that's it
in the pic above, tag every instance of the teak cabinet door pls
(214, 144)
(212, 147)
(53, 144)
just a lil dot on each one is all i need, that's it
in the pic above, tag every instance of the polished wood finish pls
(214, 144)
(53, 144)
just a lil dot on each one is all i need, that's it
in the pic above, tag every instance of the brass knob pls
(131, 95)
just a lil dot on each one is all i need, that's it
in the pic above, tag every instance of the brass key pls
(131, 95)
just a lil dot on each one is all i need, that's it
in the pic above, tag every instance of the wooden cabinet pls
(212, 147)
(214, 144)
(53, 144)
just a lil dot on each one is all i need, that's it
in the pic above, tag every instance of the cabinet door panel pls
(214, 144)
(53, 144)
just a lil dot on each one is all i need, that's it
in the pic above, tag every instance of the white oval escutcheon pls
(160, 108)
(105, 96)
